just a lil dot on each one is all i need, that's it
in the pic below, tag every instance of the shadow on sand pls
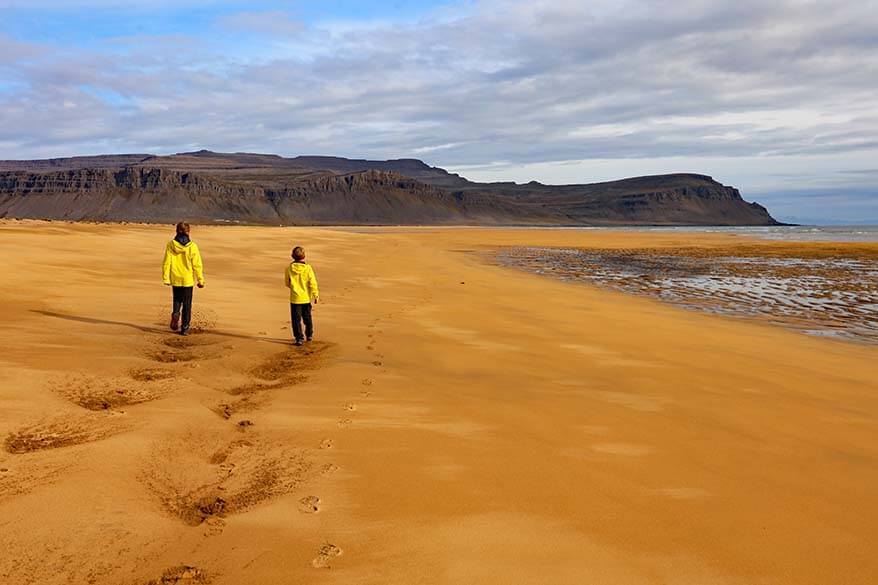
(149, 329)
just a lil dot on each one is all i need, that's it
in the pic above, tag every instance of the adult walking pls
(182, 269)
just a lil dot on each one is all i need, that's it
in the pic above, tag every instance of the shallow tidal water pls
(782, 233)
(829, 296)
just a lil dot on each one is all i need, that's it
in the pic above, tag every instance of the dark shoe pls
(299, 342)
(175, 321)
(184, 331)
(310, 339)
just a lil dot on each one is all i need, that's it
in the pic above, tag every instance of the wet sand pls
(816, 289)
(455, 421)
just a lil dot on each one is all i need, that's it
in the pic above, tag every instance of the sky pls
(779, 99)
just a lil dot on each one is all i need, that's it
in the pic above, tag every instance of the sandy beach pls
(455, 421)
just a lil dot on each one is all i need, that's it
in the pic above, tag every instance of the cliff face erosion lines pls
(309, 190)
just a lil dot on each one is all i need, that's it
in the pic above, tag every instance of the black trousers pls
(298, 314)
(183, 300)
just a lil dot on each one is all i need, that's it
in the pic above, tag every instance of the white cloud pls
(272, 22)
(84, 4)
(435, 147)
(751, 89)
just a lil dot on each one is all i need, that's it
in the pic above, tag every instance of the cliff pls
(253, 188)
(161, 195)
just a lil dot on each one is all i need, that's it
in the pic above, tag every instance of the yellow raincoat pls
(299, 278)
(182, 264)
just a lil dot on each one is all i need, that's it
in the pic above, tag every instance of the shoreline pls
(817, 290)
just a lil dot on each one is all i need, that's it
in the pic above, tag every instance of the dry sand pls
(456, 422)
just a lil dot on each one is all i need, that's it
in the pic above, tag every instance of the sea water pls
(789, 233)
(817, 294)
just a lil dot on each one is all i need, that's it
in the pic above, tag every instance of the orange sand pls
(456, 423)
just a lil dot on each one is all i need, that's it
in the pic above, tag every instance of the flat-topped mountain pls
(206, 186)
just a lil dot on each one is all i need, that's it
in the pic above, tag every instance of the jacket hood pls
(177, 248)
(298, 267)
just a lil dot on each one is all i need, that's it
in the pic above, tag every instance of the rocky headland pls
(310, 190)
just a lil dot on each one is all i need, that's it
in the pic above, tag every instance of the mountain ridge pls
(322, 190)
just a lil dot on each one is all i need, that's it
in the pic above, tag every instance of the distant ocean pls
(800, 233)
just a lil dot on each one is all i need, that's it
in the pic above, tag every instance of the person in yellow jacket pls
(182, 269)
(300, 279)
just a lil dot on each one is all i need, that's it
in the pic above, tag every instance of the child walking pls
(299, 278)
(182, 269)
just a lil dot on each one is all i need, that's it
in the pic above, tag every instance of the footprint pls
(325, 554)
(197, 476)
(244, 424)
(164, 356)
(220, 456)
(368, 381)
(180, 349)
(329, 468)
(203, 321)
(189, 341)
(377, 363)
(326, 444)
(370, 347)
(345, 423)
(227, 409)
(106, 393)
(309, 505)
(365, 394)
(21, 475)
(150, 374)
(181, 574)
(214, 526)
(177, 342)
(254, 387)
(350, 406)
(64, 431)
(287, 367)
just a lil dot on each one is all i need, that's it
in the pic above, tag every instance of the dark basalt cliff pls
(154, 194)
(267, 189)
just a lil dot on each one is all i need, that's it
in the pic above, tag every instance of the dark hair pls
(182, 228)
(298, 253)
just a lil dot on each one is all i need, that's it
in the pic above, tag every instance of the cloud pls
(14, 51)
(525, 83)
(74, 5)
(273, 22)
